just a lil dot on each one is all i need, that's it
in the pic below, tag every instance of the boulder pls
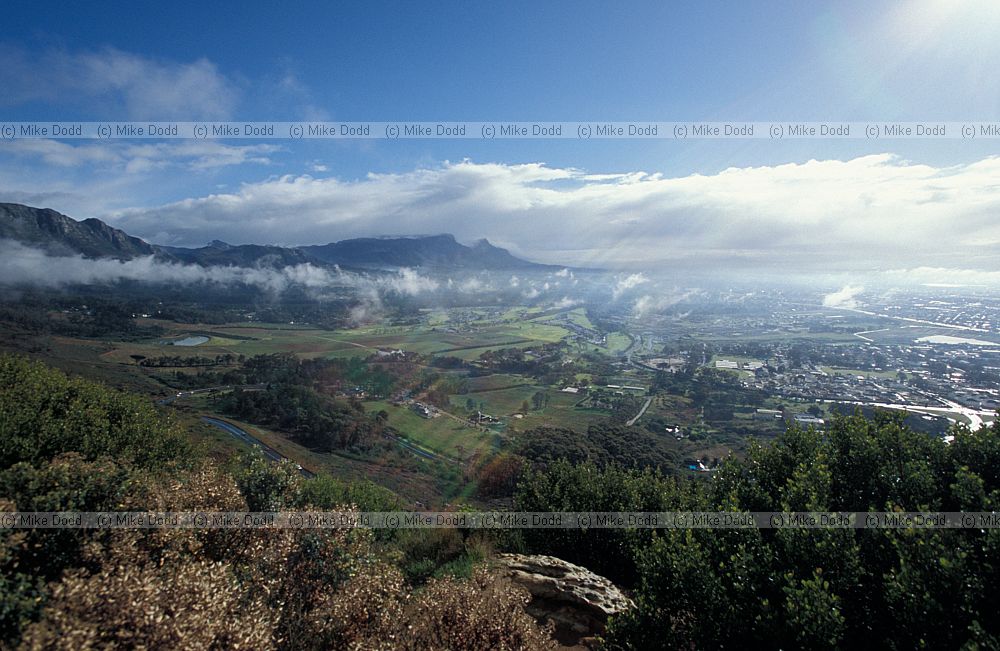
(577, 601)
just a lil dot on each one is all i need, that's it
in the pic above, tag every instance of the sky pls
(820, 205)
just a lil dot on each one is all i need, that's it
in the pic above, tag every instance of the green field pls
(560, 412)
(445, 434)
(261, 339)
(494, 382)
(618, 343)
(579, 317)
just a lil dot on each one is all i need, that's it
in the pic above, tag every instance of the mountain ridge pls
(60, 234)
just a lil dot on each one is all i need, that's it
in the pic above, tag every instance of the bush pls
(44, 413)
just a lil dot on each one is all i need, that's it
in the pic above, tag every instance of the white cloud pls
(845, 297)
(121, 83)
(813, 213)
(565, 302)
(652, 303)
(409, 282)
(140, 156)
(625, 283)
(471, 286)
(20, 264)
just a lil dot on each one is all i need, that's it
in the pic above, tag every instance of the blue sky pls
(849, 61)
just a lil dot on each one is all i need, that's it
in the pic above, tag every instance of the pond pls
(190, 340)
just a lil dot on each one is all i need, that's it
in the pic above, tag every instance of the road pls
(242, 435)
(642, 411)
(271, 453)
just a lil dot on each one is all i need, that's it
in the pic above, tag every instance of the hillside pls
(247, 255)
(92, 238)
(436, 251)
(61, 235)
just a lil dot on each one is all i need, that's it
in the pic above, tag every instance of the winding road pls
(242, 435)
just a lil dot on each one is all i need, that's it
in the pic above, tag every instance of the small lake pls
(190, 340)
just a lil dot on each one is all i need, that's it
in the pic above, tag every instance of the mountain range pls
(61, 235)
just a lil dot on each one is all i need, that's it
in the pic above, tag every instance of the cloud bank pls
(827, 214)
(23, 265)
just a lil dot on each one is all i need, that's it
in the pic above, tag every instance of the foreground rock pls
(575, 599)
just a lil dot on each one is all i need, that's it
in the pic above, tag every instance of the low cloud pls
(406, 281)
(626, 283)
(845, 297)
(23, 265)
(649, 304)
(565, 302)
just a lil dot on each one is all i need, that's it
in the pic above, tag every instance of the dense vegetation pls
(307, 416)
(601, 445)
(74, 445)
(799, 588)
(67, 444)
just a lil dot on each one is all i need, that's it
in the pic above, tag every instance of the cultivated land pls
(465, 334)
(483, 406)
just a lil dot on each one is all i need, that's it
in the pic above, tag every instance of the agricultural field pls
(446, 434)
(579, 317)
(618, 343)
(561, 410)
(259, 339)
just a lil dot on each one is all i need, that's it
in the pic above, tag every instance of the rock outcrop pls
(577, 601)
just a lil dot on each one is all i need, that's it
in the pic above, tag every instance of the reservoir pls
(190, 340)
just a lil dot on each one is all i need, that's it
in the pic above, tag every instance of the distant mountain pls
(244, 255)
(92, 238)
(58, 234)
(433, 251)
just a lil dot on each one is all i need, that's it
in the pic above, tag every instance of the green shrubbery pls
(74, 445)
(799, 588)
(66, 444)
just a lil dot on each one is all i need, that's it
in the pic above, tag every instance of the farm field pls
(617, 343)
(579, 317)
(445, 434)
(561, 410)
(261, 339)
